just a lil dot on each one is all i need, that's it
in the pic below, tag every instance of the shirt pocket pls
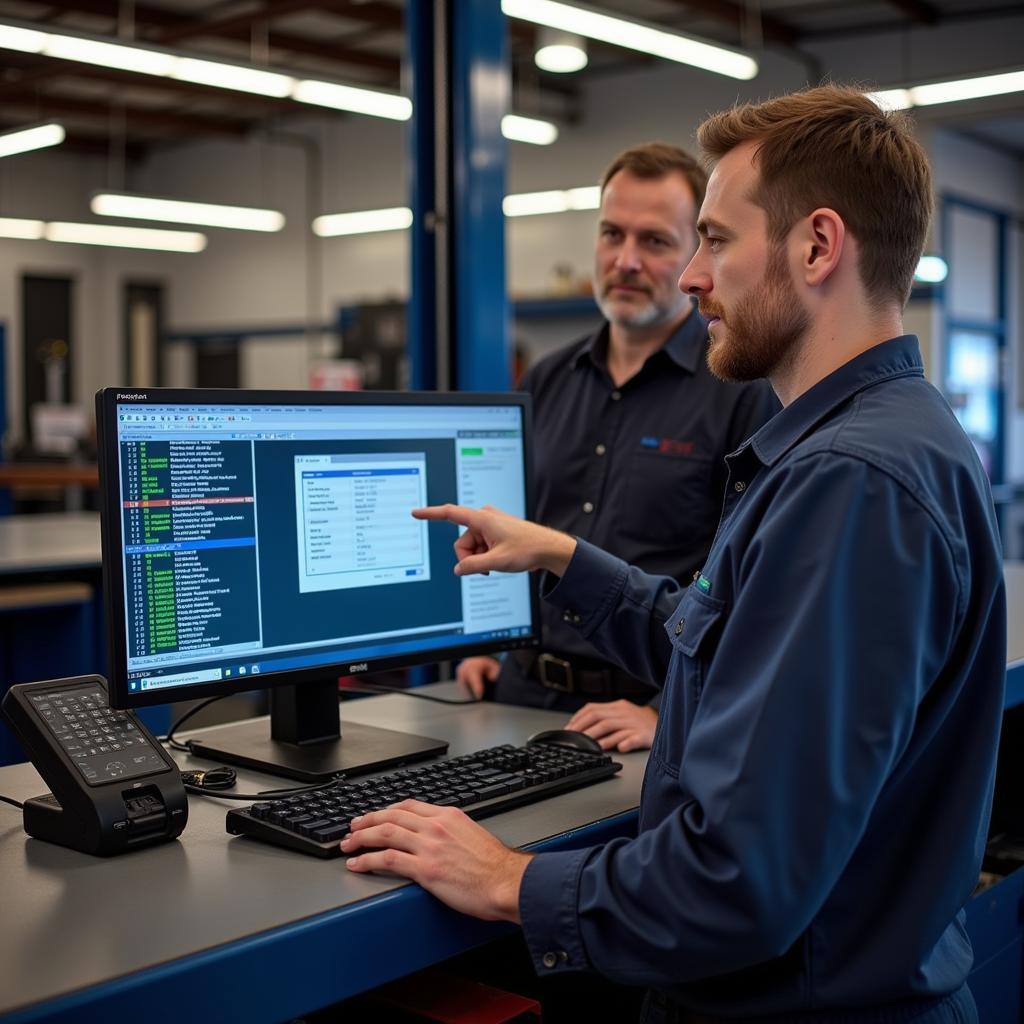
(693, 629)
(666, 496)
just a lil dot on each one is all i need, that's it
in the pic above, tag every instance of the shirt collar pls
(898, 357)
(684, 347)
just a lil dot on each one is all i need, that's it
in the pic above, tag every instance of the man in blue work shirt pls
(626, 419)
(817, 796)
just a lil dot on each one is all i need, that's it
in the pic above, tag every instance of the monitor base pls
(361, 749)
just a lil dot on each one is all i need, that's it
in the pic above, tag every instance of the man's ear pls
(822, 239)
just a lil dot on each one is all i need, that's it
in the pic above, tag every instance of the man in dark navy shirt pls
(816, 801)
(625, 420)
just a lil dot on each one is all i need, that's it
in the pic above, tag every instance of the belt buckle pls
(555, 673)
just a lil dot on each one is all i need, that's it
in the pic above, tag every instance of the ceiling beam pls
(156, 25)
(145, 16)
(728, 12)
(390, 68)
(377, 14)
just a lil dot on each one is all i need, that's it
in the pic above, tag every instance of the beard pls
(649, 314)
(762, 330)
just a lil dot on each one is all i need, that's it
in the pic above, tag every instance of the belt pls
(580, 676)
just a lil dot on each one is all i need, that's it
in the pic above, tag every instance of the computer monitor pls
(264, 539)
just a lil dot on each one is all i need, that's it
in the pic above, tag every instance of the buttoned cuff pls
(592, 584)
(549, 910)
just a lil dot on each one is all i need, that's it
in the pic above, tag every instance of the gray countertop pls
(71, 921)
(49, 542)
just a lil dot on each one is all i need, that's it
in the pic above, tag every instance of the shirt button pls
(616, 395)
(570, 616)
(680, 625)
(600, 450)
(549, 959)
(739, 487)
(588, 507)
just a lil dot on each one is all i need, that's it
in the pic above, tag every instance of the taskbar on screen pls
(348, 659)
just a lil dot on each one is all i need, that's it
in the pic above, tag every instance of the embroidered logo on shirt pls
(703, 584)
(668, 445)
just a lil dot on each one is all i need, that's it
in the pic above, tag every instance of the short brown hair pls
(656, 160)
(834, 147)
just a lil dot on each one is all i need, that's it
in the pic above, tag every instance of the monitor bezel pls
(111, 532)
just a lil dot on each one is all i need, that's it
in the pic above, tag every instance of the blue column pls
(480, 98)
(422, 140)
(458, 79)
(6, 504)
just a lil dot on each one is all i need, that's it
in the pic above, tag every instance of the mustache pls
(709, 311)
(624, 282)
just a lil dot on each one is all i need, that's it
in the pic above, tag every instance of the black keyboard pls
(483, 783)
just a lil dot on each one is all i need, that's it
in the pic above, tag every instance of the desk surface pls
(49, 474)
(49, 542)
(82, 937)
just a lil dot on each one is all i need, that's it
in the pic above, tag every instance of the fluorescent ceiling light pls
(363, 222)
(110, 55)
(400, 217)
(949, 92)
(12, 227)
(892, 99)
(931, 270)
(967, 88)
(632, 35)
(360, 101)
(560, 52)
(179, 211)
(22, 140)
(528, 204)
(127, 238)
(27, 40)
(528, 129)
(233, 76)
(164, 63)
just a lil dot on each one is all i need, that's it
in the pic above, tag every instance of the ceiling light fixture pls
(180, 211)
(24, 140)
(359, 101)
(949, 92)
(528, 204)
(528, 129)
(632, 35)
(560, 52)
(164, 63)
(363, 222)
(931, 270)
(14, 227)
(398, 218)
(125, 238)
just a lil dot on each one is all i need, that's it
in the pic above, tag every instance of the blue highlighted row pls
(190, 545)
(310, 473)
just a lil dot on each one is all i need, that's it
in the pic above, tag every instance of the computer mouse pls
(567, 738)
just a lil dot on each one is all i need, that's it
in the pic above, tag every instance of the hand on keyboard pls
(443, 850)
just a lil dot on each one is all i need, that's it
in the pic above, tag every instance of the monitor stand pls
(305, 741)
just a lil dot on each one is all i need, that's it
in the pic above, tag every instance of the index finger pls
(447, 513)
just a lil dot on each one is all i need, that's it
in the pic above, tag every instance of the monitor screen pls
(259, 538)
